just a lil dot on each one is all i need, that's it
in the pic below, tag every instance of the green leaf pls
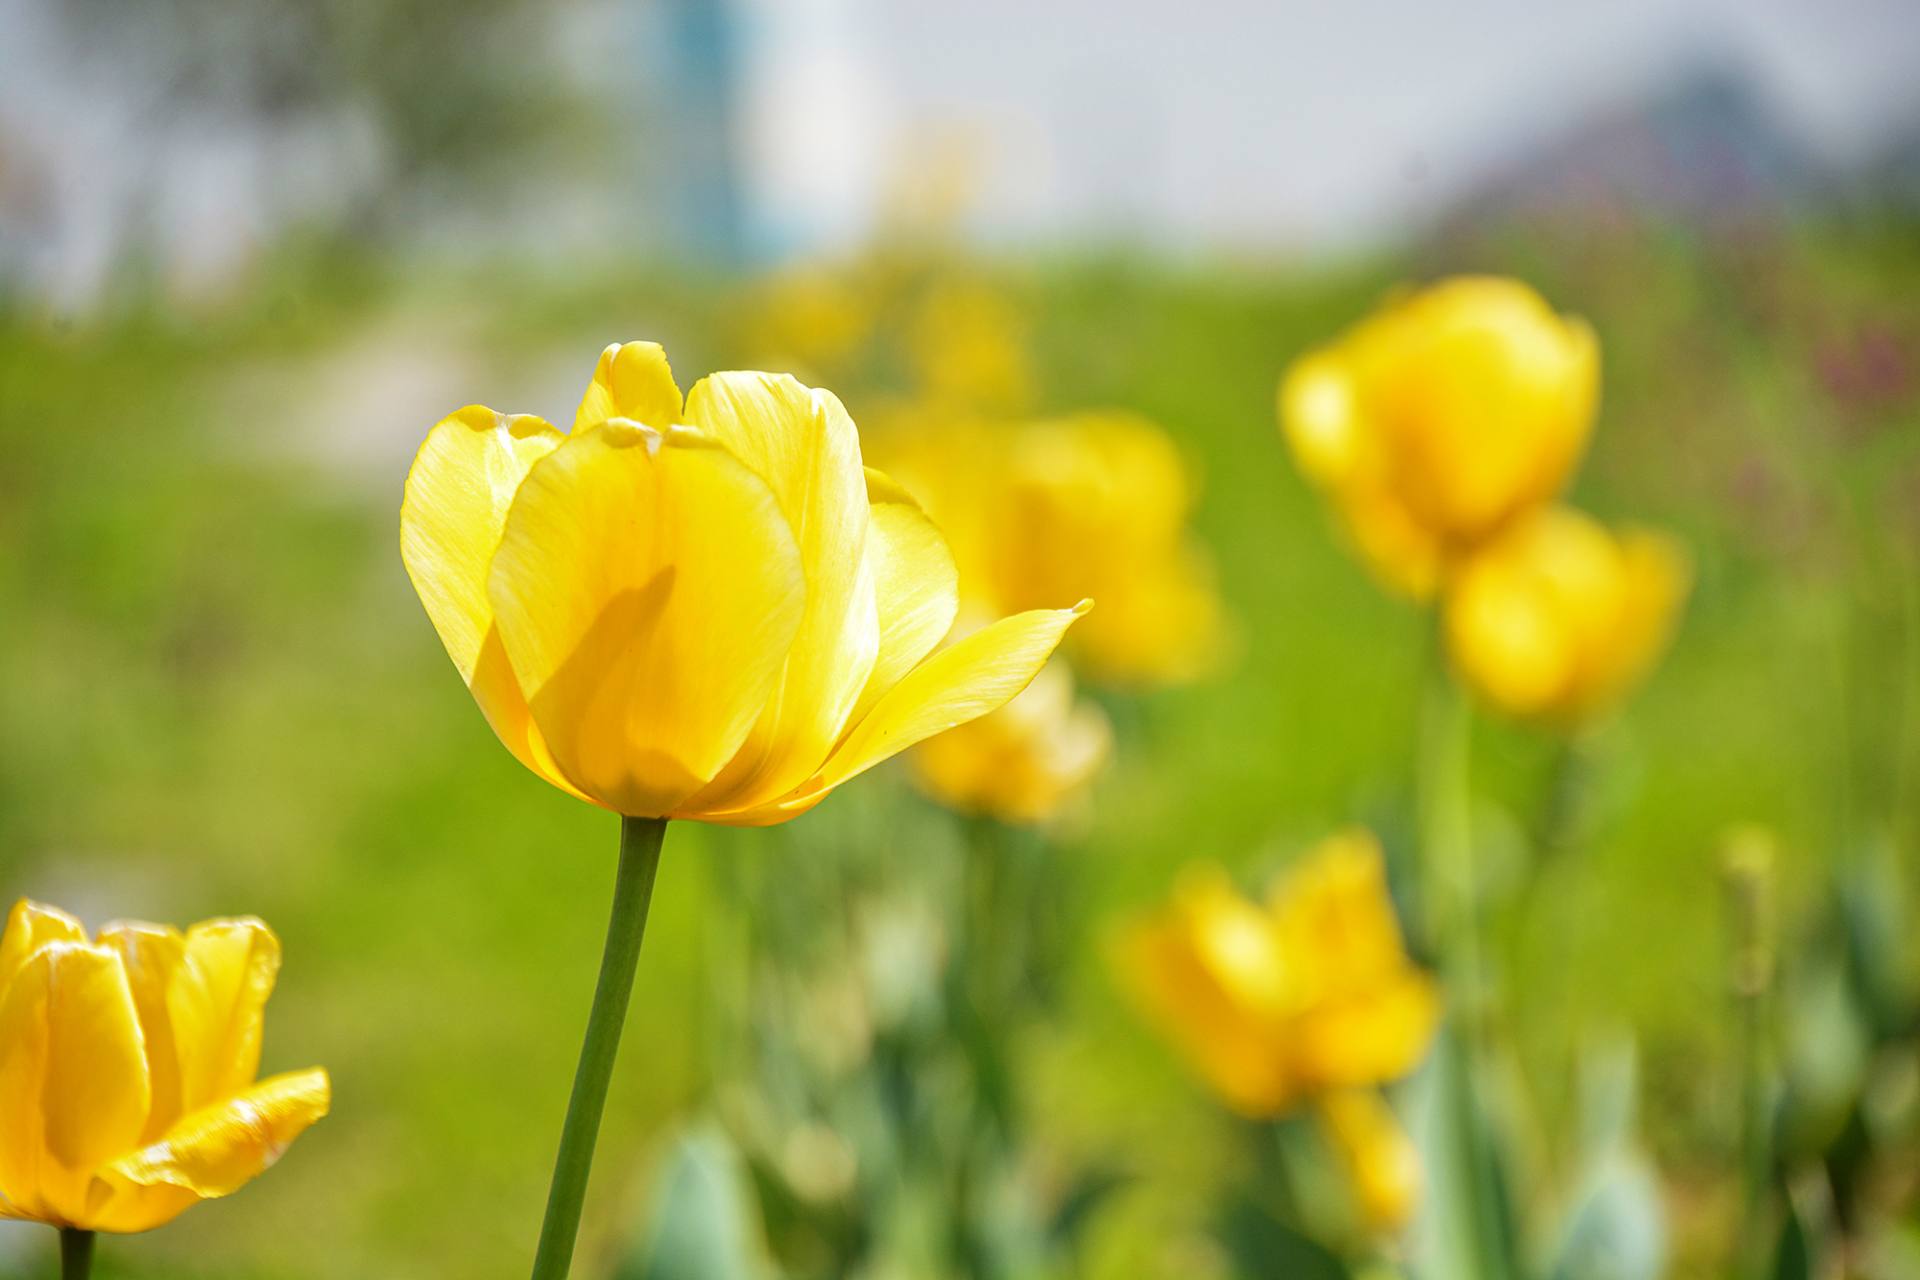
(1616, 1230)
(1263, 1247)
(1089, 1191)
(1793, 1257)
(1466, 1224)
(705, 1223)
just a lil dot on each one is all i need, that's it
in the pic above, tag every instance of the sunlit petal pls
(214, 1151)
(31, 925)
(458, 492)
(803, 444)
(977, 674)
(153, 955)
(95, 1092)
(916, 586)
(24, 1036)
(647, 589)
(217, 1004)
(633, 381)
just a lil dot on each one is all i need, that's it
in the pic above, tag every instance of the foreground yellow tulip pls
(127, 1065)
(1276, 1002)
(1433, 423)
(1557, 620)
(1027, 762)
(701, 609)
(1095, 504)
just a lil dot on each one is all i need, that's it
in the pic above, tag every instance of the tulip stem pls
(76, 1253)
(640, 840)
(1445, 811)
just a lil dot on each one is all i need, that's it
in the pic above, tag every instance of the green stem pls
(1446, 836)
(640, 840)
(1452, 919)
(76, 1253)
(1748, 869)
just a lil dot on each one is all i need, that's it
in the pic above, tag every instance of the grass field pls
(220, 696)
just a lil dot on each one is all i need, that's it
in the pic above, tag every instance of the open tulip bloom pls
(704, 608)
(1437, 420)
(1306, 998)
(127, 1063)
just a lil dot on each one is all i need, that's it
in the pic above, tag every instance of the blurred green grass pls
(221, 696)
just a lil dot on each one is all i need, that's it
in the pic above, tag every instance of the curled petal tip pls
(1085, 607)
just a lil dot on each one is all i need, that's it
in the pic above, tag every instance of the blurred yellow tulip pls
(812, 318)
(1094, 504)
(1381, 1162)
(967, 345)
(1278, 1002)
(703, 609)
(127, 1065)
(1559, 618)
(1439, 419)
(1026, 763)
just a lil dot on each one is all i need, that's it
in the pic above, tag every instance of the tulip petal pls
(647, 590)
(1380, 1035)
(31, 925)
(1381, 1160)
(1319, 418)
(97, 1089)
(1655, 575)
(217, 1004)
(152, 956)
(916, 585)
(1182, 990)
(977, 674)
(24, 1035)
(458, 492)
(632, 381)
(803, 444)
(213, 1151)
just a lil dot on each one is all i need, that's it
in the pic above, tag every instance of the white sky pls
(1265, 123)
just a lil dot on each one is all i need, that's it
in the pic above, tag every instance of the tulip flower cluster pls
(708, 607)
(1095, 504)
(1441, 429)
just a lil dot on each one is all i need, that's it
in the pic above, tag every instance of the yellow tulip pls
(812, 318)
(1380, 1159)
(703, 608)
(1276, 1002)
(127, 1063)
(1441, 418)
(966, 345)
(1558, 620)
(1027, 762)
(1095, 504)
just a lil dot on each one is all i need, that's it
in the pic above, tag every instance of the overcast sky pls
(1269, 122)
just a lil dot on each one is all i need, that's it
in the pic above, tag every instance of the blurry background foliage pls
(219, 695)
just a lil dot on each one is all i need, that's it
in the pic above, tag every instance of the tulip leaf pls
(1466, 1224)
(1089, 1191)
(705, 1223)
(1793, 1257)
(1615, 1231)
(1263, 1247)
(1874, 921)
